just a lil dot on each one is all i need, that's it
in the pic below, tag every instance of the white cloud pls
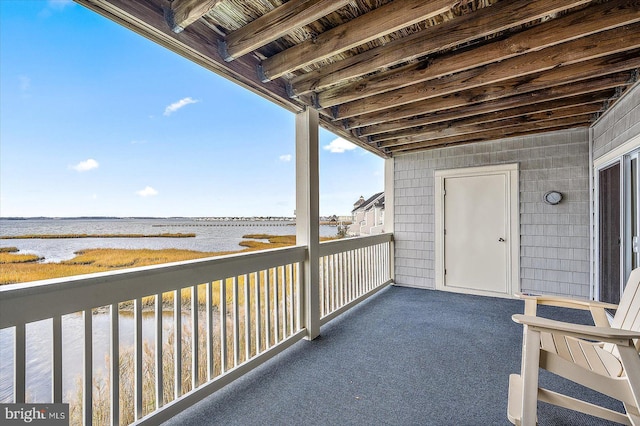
(286, 158)
(147, 192)
(53, 6)
(339, 145)
(85, 166)
(59, 4)
(179, 104)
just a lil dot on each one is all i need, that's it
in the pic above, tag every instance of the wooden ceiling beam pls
(457, 128)
(183, 13)
(422, 123)
(276, 24)
(473, 26)
(499, 133)
(572, 61)
(473, 102)
(479, 139)
(376, 23)
(585, 22)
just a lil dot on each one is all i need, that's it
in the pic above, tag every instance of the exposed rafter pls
(581, 27)
(384, 20)
(183, 13)
(276, 24)
(477, 101)
(463, 29)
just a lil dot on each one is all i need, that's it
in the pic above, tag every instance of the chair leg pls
(631, 365)
(529, 373)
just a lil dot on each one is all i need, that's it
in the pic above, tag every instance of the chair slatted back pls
(627, 315)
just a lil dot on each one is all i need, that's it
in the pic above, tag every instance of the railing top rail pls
(345, 244)
(28, 302)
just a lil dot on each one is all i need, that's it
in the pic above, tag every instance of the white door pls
(475, 233)
(476, 220)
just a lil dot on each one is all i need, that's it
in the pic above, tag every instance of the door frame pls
(616, 155)
(512, 216)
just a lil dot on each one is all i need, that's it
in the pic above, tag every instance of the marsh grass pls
(16, 269)
(10, 257)
(274, 282)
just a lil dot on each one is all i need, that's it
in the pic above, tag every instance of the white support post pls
(389, 210)
(307, 214)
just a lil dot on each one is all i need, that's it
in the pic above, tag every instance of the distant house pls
(368, 216)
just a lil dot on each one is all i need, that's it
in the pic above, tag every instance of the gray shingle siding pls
(554, 255)
(619, 125)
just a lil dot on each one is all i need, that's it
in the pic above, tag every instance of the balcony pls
(224, 316)
(403, 356)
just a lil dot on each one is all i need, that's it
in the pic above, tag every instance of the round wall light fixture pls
(553, 197)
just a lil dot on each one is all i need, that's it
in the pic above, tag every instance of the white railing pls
(351, 270)
(171, 334)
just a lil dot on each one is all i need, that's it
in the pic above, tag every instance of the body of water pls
(211, 235)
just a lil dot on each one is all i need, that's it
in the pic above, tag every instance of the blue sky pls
(96, 120)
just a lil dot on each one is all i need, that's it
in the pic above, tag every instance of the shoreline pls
(65, 236)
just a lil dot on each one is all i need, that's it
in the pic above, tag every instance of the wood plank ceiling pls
(407, 75)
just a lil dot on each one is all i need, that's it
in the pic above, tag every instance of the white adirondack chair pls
(603, 357)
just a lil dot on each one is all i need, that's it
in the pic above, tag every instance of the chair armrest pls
(566, 302)
(589, 332)
(597, 309)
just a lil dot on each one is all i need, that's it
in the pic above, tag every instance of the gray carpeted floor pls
(404, 357)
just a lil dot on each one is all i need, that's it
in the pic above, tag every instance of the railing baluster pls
(332, 297)
(290, 297)
(352, 274)
(88, 367)
(299, 295)
(360, 269)
(376, 266)
(344, 268)
(137, 336)
(159, 367)
(19, 364)
(325, 286)
(367, 267)
(338, 274)
(282, 294)
(276, 303)
(209, 334)
(195, 338)
(223, 326)
(236, 324)
(336, 279)
(177, 344)
(114, 367)
(257, 276)
(247, 318)
(56, 362)
(267, 304)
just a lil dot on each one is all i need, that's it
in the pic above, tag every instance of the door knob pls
(501, 240)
